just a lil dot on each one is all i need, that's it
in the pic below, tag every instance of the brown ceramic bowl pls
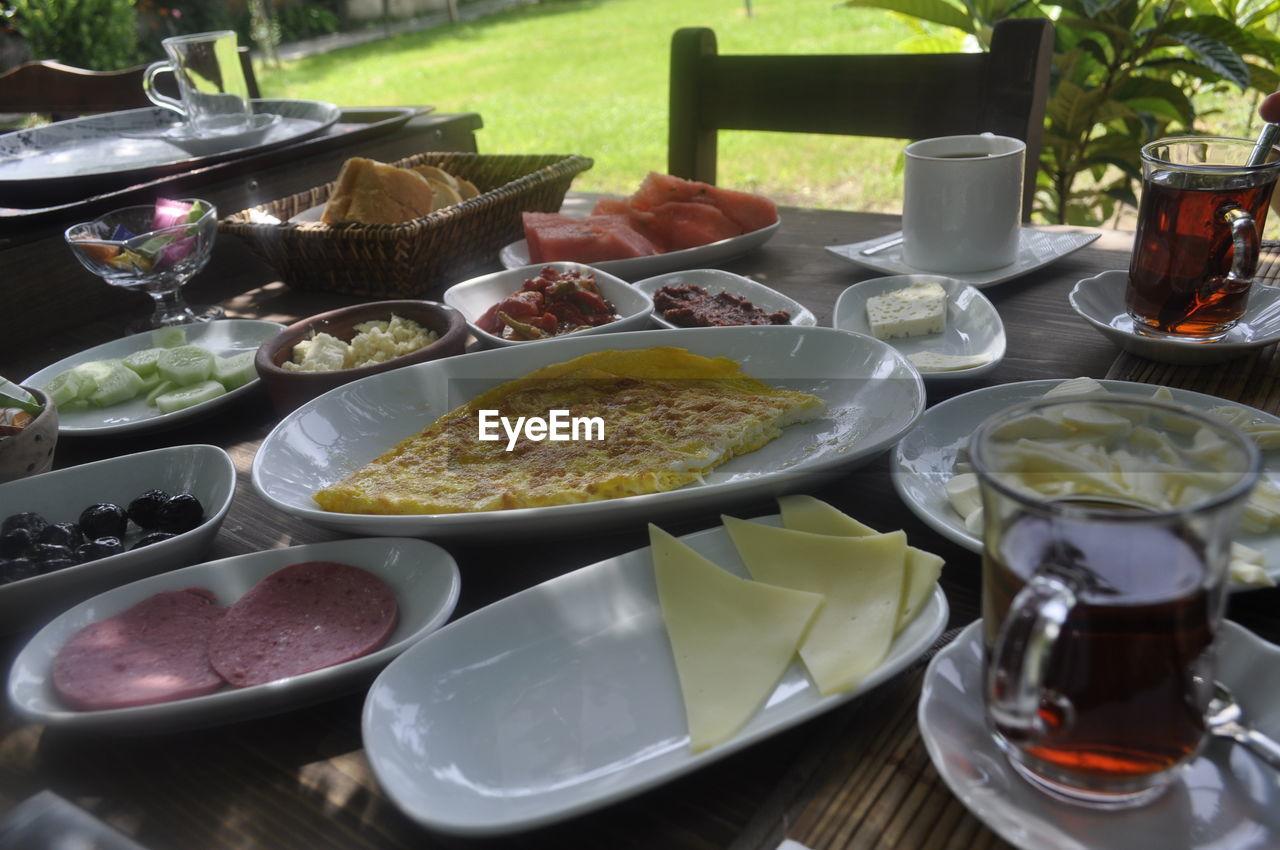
(291, 389)
(30, 451)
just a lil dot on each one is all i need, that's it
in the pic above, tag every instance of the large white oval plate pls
(973, 325)
(223, 337)
(564, 698)
(516, 255)
(924, 460)
(423, 577)
(873, 395)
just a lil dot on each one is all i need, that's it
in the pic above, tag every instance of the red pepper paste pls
(690, 306)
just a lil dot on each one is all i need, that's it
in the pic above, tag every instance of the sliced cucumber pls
(159, 390)
(117, 385)
(236, 370)
(185, 397)
(144, 362)
(64, 387)
(185, 365)
(169, 337)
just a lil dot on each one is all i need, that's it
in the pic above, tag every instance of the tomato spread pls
(690, 306)
(547, 305)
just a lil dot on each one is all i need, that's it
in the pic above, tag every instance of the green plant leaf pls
(1156, 95)
(937, 11)
(1216, 55)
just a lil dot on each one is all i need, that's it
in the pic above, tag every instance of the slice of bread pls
(373, 192)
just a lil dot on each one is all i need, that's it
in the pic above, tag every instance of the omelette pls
(668, 417)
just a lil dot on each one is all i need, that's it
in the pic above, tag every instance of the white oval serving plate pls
(873, 397)
(423, 577)
(564, 698)
(206, 472)
(222, 336)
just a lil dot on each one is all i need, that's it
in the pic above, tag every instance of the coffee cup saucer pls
(1100, 301)
(1224, 797)
(204, 144)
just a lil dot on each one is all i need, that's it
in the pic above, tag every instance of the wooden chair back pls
(902, 96)
(63, 91)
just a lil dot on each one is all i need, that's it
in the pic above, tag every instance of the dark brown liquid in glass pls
(1130, 654)
(1183, 253)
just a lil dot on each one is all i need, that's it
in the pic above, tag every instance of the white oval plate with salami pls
(423, 577)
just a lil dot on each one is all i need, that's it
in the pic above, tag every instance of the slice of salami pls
(154, 652)
(301, 618)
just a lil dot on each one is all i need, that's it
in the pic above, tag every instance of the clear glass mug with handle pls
(1108, 525)
(214, 95)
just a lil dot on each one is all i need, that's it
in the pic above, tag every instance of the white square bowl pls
(473, 297)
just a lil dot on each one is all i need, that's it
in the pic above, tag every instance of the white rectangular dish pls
(873, 395)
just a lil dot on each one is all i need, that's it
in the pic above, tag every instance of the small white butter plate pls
(1036, 248)
(716, 281)
(973, 328)
(1100, 301)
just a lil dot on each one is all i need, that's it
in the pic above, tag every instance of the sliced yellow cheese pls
(732, 638)
(922, 569)
(860, 579)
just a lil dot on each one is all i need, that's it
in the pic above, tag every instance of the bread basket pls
(410, 259)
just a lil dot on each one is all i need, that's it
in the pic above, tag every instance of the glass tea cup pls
(1200, 222)
(214, 96)
(1108, 524)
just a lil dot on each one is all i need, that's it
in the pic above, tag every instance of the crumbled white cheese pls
(933, 361)
(914, 310)
(374, 342)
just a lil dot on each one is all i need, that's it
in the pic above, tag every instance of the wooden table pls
(857, 777)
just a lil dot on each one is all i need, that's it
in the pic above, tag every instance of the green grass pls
(590, 77)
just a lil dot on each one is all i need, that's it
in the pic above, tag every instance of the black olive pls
(14, 542)
(32, 522)
(104, 520)
(16, 569)
(41, 552)
(148, 509)
(148, 539)
(100, 547)
(61, 534)
(182, 512)
(54, 564)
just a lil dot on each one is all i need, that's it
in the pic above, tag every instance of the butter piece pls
(933, 361)
(914, 310)
(732, 638)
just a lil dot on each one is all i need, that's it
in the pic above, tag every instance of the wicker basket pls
(408, 260)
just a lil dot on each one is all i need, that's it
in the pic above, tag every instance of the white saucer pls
(1036, 249)
(1100, 300)
(973, 325)
(1226, 798)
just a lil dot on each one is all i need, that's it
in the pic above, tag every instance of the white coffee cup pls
(214, 94)
(962, 202)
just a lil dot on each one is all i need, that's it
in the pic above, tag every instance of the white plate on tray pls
(873, 395)
(1226, 798)
(205, 472)
(973, 327)
(1099, 300)
(516, 255)
(564, 698)
(222, 336)
(74, 159)
(1036, 249)
(923, 461)
(423, 577)
(715, 281)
